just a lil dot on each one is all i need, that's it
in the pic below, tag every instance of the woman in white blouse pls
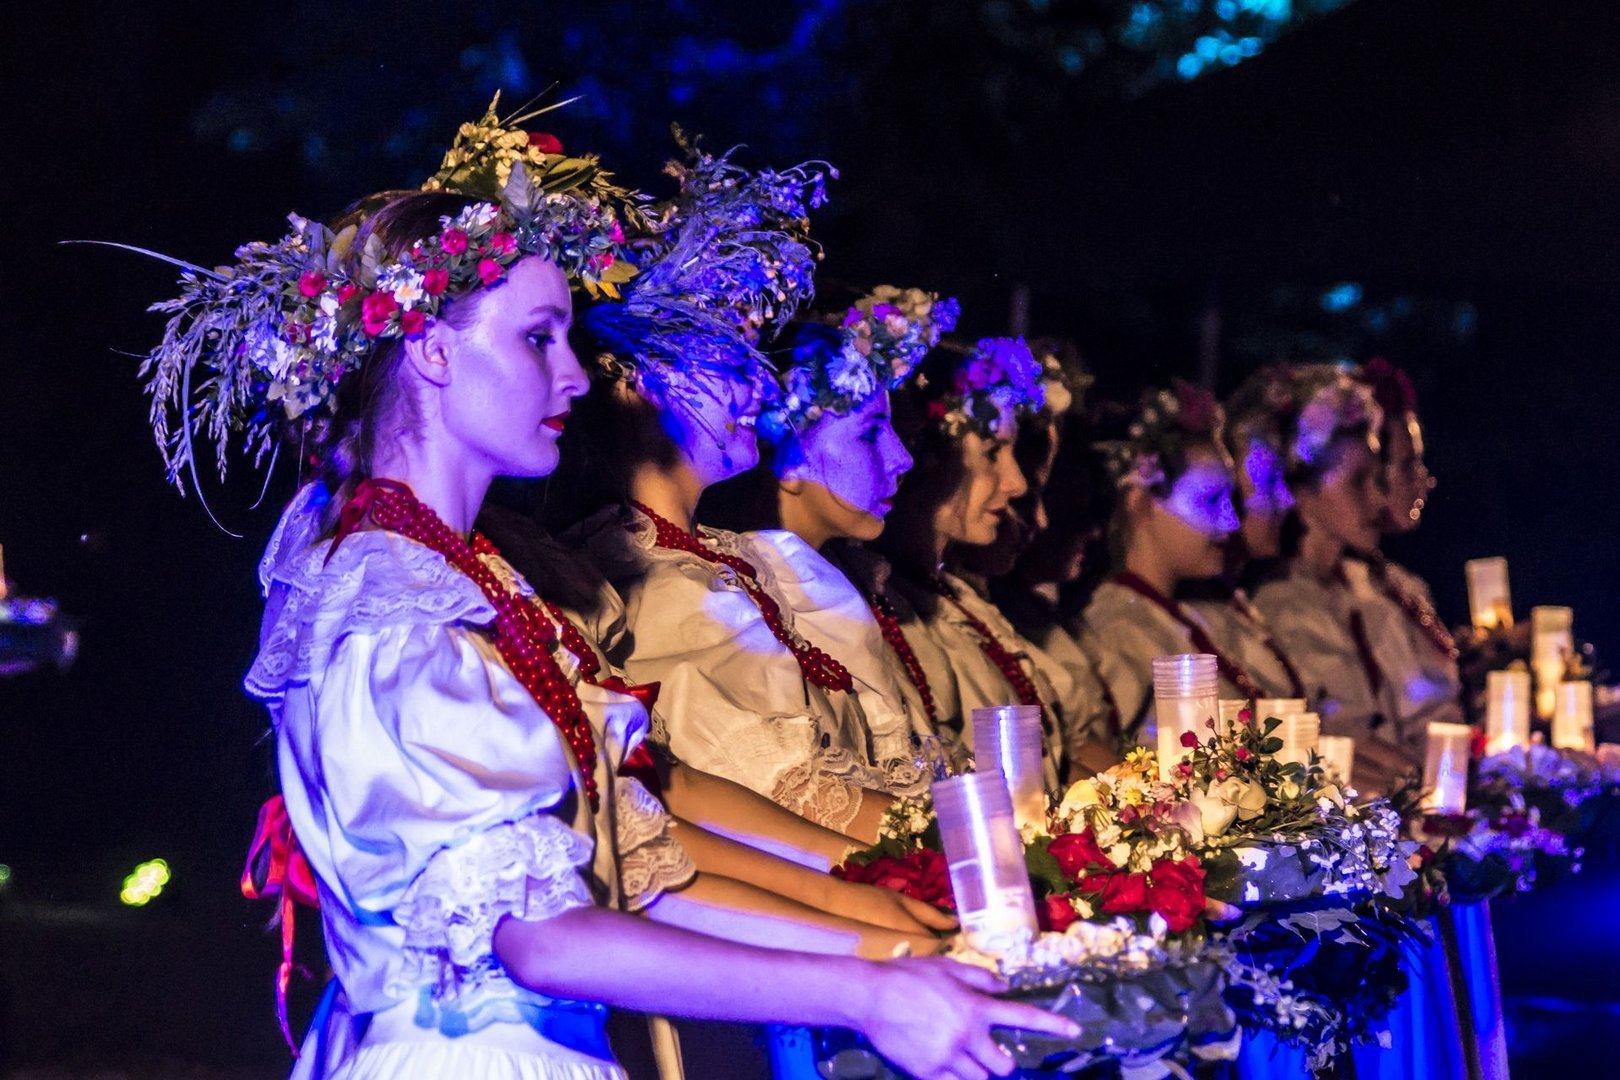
(445, 737)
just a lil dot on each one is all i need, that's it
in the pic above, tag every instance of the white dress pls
(432, 797)
(733, 700)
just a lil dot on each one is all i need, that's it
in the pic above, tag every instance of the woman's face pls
(509, 376)
(1347, 503)
(1405, 474)
(1191, 524)
(712, 423)
(849, 467)
(990, 480)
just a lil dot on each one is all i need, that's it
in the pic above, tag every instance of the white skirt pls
(396, 1049)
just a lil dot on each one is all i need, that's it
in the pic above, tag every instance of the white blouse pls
(1241, 632)
(432, 797)
(733, 700)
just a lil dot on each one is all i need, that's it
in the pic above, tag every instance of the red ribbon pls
(355, 511)
(639, 762)
(277, 869)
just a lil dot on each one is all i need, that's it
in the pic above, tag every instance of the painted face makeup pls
(1267, 493)
(857, 459)
(1202, 499)
(712, 423)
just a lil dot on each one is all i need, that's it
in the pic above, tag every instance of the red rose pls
(376, 310)
(1078, 852)
(434, 282)
(1176, 892)
(1477, 744)
(348, 292)
(546, 144)
(453, 241)
(1121, 894)
(1056, 914)
(1189, 739)
(490, 271)
(312, 283)
(937, 410)
(412, 323)
(920, 874)
(503, 243)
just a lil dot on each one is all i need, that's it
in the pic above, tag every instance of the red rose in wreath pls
(921, 874)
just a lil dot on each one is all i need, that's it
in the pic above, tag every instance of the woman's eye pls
(542, 339)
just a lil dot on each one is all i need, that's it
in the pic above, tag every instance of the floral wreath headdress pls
(996, 383)
(271, 335)
(1065, 378)
(838, 365)
(1330, 403)
(1391, 386)
(1158, 436)
(728, 261)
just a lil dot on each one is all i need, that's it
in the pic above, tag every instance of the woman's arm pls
(930, 1017)
(726, 807)
(718, 855)
(735, 910)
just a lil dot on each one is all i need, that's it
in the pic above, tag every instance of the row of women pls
(550, 748)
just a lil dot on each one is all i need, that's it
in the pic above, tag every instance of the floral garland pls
(277, 331)
(880, 341)
(1158, 436)
(999, 381)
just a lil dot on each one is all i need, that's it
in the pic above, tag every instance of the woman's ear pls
(428, 353)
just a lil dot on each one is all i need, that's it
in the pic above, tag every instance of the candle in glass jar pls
(1186, 698)
(1338, 753)
(1507, 710)
(1490, 603)
(1445, 768)
(1229, 708)
(985, 856)
(1268, 708)
(1299, 733)
(1572, 719)
(1552, 642)
(1010, 738)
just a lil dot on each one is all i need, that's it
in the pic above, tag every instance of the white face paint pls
(711, 419)
(1202, 499)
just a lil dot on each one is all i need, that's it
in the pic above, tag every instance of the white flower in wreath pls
(404, 282)
(851, 375)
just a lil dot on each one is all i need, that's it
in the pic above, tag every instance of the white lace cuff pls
(527, 868)
(651, 859)
(812, 791)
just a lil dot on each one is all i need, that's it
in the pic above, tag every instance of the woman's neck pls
(1146, 563)
(671, 492)
(797, 518)
(1319, 554)
(454, 489)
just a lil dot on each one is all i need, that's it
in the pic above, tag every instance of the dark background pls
(1455, 160)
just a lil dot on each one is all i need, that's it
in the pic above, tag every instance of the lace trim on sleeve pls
(651, 860)
(529, 869)
(811, 791)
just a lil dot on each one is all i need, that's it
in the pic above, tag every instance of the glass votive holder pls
(1572, 718)
(1338, 754)
(1268, 708)
(1445, 768)
(1507, 710)
(1552, 643)
(1299, 733)
(989, 880)
(1490, 604)
(1186, 695)
(1010, 738)
(1227, 718)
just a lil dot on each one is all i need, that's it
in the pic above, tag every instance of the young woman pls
(440, 767)
(1170, 524)
(1328, 618)
(959, 421)
(746, 694)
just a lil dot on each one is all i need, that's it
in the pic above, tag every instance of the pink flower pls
(412, 322)
(1241, 754)
(434, 282)
(616, 234)
(376, 311)
(602, 261)
(503, 243)
(490, 271)
(348, 292)
(453, 241)
(1188, 739)
(312, 283)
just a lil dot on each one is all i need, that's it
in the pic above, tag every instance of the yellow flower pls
(1081, 794)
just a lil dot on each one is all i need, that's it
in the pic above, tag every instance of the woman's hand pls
(885, 907)
(933, 1017)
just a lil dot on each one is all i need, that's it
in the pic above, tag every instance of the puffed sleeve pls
(436, 782)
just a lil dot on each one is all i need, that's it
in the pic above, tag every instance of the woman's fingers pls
(1017, 1014)
(927, 914)
(990, 1054)
(978, 978)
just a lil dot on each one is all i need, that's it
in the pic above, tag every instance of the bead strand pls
(889, 623)
(992, 648)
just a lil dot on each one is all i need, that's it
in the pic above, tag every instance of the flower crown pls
(1331, 403)
(880, 340)
(277, 330)
(1391, 386)
(729, 260)
(1166, 423)
(996, 383)
(1062, 374)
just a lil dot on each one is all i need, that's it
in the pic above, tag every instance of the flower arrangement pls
(1156, 449)
(999, 380)
(277, 330)
(875, 347)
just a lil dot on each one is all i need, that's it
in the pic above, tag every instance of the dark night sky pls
(1459, 150)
